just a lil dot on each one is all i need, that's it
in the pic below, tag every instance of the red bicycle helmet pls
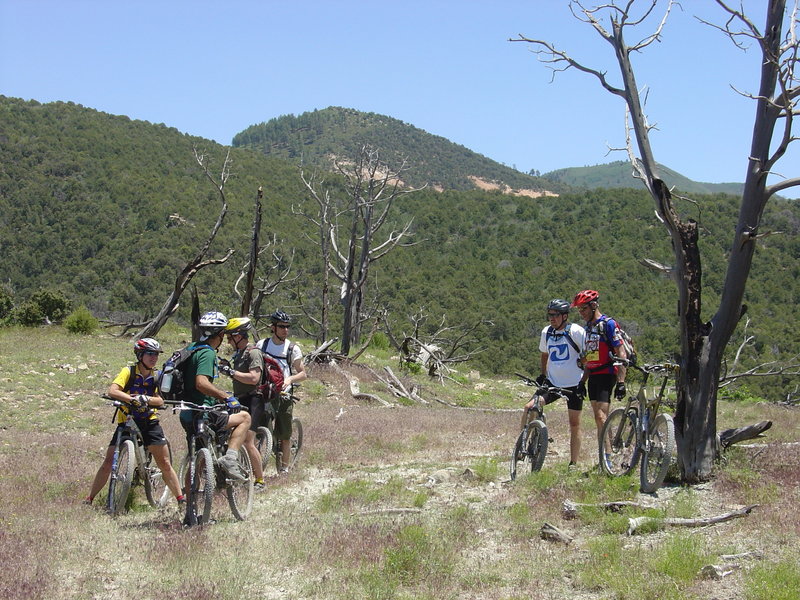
(585, 297)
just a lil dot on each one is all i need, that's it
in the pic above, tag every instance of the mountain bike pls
(638, 433)
(202, 474)
(133, 464)
(269, 446)
(531, 445)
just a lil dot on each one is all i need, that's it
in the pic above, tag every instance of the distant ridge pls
(320, 136)
(619, 175)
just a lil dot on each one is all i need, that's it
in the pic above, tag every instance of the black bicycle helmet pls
(280, 317)
(559, 305)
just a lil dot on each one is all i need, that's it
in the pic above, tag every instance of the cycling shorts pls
(599, 387)
(255, 405)
(152, 434)
(574, 401)
(216, 419)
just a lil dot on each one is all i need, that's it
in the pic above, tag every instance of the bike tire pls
(656, 461)
(517, 454)
(155, 488)
(618, 440)
(201, 492)
(537, 444)
(121, 480)
(296, 442)
(240, 493)
(264, 444)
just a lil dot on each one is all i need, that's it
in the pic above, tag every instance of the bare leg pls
(167, 472)
(102, 473)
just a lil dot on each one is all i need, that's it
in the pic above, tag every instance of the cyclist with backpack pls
(603, 344)
(290, 357)
(136, 387)
(199, 372)
(246, 372)
(561, 345)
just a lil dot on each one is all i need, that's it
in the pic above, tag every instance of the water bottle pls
(166, 377)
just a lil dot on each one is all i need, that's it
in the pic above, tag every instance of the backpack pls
(171, 379)
(551, 332)
(627, 341)
(272, 378)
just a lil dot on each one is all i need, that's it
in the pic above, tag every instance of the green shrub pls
(29, 314)
(380, 341)
(81, 321)
(53, 304)
(6, 305)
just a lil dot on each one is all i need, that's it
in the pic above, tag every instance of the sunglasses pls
(552, 315)
(150, 353)
(278, 325)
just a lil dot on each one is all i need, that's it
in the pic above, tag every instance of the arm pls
(298, 375)
(202, 384)
(544, 357)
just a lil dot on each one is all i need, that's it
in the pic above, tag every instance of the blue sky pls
(213, 68)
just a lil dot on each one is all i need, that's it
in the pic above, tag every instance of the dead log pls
(355, 392)
(636, 523)
(569, 509)
(554, 534)
(388, 511)
(731, 436)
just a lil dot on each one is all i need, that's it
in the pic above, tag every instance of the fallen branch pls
(401, 389)
(569, 509)
(388, 511)
(729, 437)
(635, 523)
(554, 534)
(355, 392)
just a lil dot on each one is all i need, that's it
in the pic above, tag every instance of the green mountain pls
(108, 210)
(619, 175)
(317, 138)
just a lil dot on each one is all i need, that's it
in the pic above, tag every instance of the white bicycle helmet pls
(145, 345)
(211, 324)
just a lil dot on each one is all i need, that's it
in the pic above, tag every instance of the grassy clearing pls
(394, 503)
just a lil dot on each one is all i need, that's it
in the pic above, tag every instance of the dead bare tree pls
(702, 343)
(199, 261)
(347, 230)
(436, 348)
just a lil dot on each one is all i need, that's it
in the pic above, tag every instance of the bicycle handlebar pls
(649, 368)
(542, 389)
(119, 404)
(185, 405)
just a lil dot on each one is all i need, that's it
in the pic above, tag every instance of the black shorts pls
(152, 434)
(574, 401)
(255, 405)
(216, 419)
(600, 387)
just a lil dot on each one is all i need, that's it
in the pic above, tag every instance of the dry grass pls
(334, 528)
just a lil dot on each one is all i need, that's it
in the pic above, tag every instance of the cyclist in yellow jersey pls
(135, 386)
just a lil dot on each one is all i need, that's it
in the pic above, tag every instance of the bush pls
(54, 305)
(6, 305)
(29, 314)
(81, 321)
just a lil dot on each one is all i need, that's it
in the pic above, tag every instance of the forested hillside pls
(321, 135)
(87, 202)
(619, 174)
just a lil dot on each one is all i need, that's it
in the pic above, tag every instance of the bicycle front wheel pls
(240, 493)
(619, 451)
(264, 445)
(201, 492)
(155, 488)
(655, 463)
(537, 444)
(122, 472)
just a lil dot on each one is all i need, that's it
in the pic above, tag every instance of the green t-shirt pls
(202, 362)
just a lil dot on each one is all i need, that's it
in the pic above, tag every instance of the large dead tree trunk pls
(199, 261)
(252, 264)
(703, 344)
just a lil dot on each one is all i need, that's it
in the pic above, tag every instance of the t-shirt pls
(201, 362)
(140, 385)
(246, 360)
(563, 369)
(278, 352)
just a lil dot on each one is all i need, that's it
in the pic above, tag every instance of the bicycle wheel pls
(155, 488)
(537, 444)
(517, 454)
(240, 493)
(618, 449)
(296, 442)
(201, 492)
(264, 445)
(119, 485)
(656, 461)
